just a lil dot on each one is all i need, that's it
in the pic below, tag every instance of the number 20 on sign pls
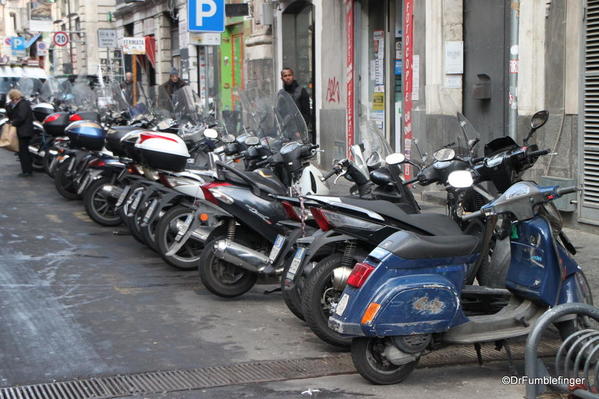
(60, 39)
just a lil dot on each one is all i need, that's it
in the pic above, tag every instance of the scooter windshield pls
(30, 87)
(291, 123)
(373, 150)
(84, 98)
(257, 116)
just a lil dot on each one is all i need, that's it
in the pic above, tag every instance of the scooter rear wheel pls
(317, 297)
(98, 205)
(222, 278)
(188, 256)
(65, 183)
(368, 356)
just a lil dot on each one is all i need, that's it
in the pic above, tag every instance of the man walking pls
(174, 82)
(300, 95)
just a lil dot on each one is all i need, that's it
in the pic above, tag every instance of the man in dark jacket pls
(174, 82)
(300, 95)
(20, 115)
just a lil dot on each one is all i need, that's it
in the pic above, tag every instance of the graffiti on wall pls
(333, 93)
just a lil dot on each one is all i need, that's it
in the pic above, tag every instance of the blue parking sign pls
(18, 43)
(206, 15)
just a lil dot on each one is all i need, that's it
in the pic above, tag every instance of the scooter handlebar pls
(334, 171)
(534, 154)
(566, 190)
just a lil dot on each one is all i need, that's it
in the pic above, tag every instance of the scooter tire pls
(317, 283)
(293, 297)
(97, 205)
(37, 164)
(212, 271)
(369, 362)
(65, 185)
(493, 273)
(165, 234)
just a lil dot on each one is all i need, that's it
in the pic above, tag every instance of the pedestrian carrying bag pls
(8, 138)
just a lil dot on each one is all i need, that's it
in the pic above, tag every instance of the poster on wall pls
(40, 16)
(379, 56)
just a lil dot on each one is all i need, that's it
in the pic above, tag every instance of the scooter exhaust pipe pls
(241, 256)
(113, 191)
(340, 276)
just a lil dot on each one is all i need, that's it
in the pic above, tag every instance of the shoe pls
(25, 174)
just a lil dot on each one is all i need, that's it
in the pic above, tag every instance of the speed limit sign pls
(60, 39)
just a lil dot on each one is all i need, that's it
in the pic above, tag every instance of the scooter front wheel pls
(98, 205)
(368, 356)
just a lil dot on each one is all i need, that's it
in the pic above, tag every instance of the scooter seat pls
(270, 185)
(408, 245)
(427, 223)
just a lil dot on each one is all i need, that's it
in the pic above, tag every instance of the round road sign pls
(60, 39)
(7, 41)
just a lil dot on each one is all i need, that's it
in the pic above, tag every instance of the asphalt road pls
(78, 301)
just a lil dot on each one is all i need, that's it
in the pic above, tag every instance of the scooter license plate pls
(150, 211)
(298, 257)
(183, 230)
(121, 174)
(276, 248)
(84, 184)
(136, 202)
(342, 305)
(123, 196)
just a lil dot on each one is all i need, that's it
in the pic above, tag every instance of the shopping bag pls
(8, 138)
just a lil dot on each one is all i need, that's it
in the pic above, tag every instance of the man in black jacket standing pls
(20, 116)
(300, 95)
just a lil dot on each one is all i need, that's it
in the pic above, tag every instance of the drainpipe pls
(513, 68)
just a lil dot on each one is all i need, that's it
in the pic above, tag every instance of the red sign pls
(408, 45)
(60, 39)
(349, 65)
(7, 41)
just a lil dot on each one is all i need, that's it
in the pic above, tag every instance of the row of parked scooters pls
(366, 270)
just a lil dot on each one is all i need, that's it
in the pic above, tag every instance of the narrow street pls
(80, 301)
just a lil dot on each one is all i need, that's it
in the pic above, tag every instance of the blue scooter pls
(404, 299)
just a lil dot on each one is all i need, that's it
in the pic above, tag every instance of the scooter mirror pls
(210, 133)
(229, 138)
(444, 154)
(539, 119)
(252, 140)
(395, 158)
(460, 179)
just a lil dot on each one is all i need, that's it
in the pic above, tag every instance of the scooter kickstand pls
(479, 355)
(508, 350)
(268, 292)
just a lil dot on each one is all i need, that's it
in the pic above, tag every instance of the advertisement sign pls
(349, 66)
(134, 45)
(408, 29)
(40, 16)
(204, 39)
(206, 15)
(107, 38)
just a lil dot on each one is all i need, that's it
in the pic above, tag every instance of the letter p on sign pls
(206, 15)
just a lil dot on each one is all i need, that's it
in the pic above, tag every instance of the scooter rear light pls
(291, 213)
(75, 117)
(97, 163)
(209, 195)
(320, 219)
(359, 274)
(51, 118)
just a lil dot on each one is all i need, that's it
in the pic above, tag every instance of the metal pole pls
(70, 35)
(513, 68)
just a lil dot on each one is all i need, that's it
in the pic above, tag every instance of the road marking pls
(54, 218)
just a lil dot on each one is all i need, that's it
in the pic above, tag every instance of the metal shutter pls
(590, 123)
